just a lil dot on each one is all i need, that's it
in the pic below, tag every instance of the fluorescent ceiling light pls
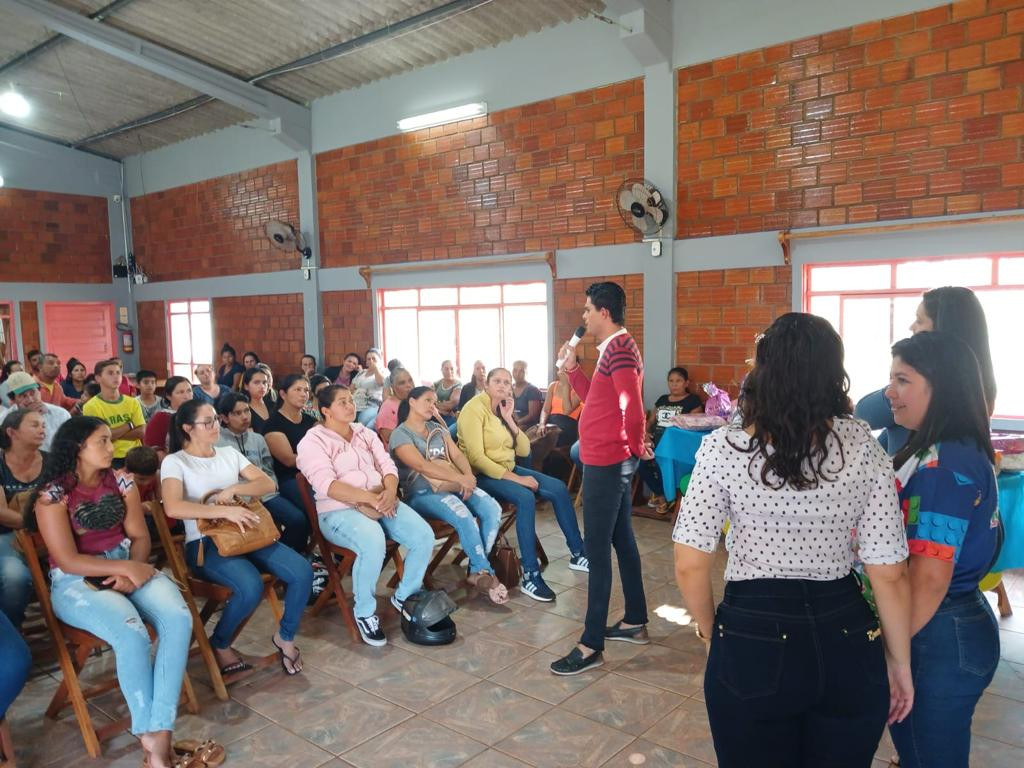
(1, 181)
(14, 104)
(443, 116)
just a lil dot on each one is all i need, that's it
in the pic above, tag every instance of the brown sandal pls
(208, 752)
(488, 584)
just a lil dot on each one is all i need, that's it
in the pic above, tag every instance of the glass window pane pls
(526, 338)
(524, 292)
(1011, 271)
(931, 274)
(904, 312)
(184, 370)
(401, 338)
(407, 298)
(826, 307)
(439, 297)
(437, 343)
(202, 338)
(479, 339)
(862, 277)
(480, 294)
(200, 306)
(181, 344)
(866, 337)
(179, 306)
(1002, 311)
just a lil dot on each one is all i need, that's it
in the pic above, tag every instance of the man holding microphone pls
(612, 442)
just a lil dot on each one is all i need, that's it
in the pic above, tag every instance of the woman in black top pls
(256, 384)
(230, 372)
(283, 431)
(678, 400)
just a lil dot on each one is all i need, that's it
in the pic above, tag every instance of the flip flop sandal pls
(209, 752)
(283, 657)
(235, 667)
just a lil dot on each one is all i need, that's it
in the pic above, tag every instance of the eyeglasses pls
(205, 423)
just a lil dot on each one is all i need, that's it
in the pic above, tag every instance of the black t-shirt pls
(227, 377)
(666, 409)
(259, 424)
(469, 391)
(522, 407)
(293, 432)
(13, 485)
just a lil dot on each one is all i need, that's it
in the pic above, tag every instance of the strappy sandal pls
(488, 584)
(208, 752)
(284, 657)
(235, 667)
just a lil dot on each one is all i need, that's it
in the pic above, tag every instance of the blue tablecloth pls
(676, 456)
(1011, 509)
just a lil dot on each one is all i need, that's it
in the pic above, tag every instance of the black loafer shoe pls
(576, 662)
(637, 635)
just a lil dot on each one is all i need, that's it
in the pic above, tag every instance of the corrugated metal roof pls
(78, 92)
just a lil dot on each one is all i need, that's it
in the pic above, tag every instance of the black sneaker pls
(370, 631)
(637, 635)
(575, 663)
(320, 580)
(533, 586)
(579, 563)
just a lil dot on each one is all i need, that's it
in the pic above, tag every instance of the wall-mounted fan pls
(642, 206)
(285, 237)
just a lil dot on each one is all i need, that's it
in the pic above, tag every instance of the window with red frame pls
(872, 305)
(189, 335)
(497, 324)
(8, 346)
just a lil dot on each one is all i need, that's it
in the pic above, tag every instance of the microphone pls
(573, 342)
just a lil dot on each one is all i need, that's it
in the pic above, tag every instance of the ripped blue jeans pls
(151, 687)
(476, 542)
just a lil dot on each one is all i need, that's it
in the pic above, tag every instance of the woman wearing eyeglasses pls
(195, 467)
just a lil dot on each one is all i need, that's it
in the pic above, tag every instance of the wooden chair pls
(214, 595)
(74, 646)
(508, 519)
(338, 561)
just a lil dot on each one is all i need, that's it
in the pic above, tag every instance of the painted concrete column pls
(309, 221)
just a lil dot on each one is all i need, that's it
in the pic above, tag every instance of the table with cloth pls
(1011, 510)
(676, 455)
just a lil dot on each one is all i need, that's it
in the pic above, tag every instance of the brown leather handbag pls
(440, 486)
(505, 562)
(227, 537)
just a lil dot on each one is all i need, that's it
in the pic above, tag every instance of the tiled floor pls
(488, 700)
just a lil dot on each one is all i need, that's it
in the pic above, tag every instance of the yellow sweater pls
(486, 441)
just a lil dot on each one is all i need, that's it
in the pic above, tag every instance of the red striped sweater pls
(613, 418)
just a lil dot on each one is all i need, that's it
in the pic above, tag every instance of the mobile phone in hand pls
(96, 582)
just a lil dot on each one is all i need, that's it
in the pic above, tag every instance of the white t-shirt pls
(200, 475)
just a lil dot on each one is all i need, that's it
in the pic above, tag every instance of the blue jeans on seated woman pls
(476, 541)
(368, 415)
(15, 580)
(151, 688)
(549, 489)
(351, 529)
(953, 659)
(292, 519)
(241, 574)
(17, 662)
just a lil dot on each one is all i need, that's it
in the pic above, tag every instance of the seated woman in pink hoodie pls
(356, 485)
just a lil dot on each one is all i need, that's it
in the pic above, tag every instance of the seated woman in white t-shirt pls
(196, 466)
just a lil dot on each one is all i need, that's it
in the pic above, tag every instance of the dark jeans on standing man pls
(796, 676)
(607, 523)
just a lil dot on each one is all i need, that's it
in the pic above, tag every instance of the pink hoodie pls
(324, 457)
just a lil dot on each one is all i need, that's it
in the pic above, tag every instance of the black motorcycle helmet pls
(426, 618)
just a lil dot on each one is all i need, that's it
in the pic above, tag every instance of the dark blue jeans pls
(953, 659)
(549, 488)
(796, 676)
(242, 574)
(607, 523)
(16, 663)
(291, 519)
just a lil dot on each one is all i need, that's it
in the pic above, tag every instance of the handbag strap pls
(444, 445)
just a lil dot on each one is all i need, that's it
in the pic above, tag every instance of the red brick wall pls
(271, 326)
(215, 227)
(569, 300)
(531, 178)
(918, 115)
(28, 313)
(153, 337)
(53, 238)
(347, 323)
(718, 314)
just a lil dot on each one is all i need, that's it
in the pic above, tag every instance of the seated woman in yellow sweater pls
(491, 440)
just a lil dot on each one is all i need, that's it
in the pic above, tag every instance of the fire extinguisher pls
(127, 338)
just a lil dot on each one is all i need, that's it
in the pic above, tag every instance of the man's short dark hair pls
(102, 365)
(142, 460)
(226, 403)
(609, 296)
(91, 388)
(144, 374)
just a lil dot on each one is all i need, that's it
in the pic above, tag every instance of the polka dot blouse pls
(790, 534)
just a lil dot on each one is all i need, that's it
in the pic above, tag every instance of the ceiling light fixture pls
(443, 116)
(14, 104)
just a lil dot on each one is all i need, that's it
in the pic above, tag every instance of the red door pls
(80, 329)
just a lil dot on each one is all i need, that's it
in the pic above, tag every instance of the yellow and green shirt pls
(124, 410)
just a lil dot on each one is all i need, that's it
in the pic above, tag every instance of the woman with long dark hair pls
(947, 487)
(420, 437)
(256, 384)
(250, 360)
(283, 431)
(92, 522)
(197, 466)
(797, 669)
(953, 310)
(177, 392)
(230, 372)
(74, 384)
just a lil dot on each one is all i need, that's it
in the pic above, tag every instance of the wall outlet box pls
(656, 248)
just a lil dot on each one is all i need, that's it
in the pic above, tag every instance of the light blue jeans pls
(151, 688)
(476, 541)
(353, 530)
(15, 580)
(368, 415)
